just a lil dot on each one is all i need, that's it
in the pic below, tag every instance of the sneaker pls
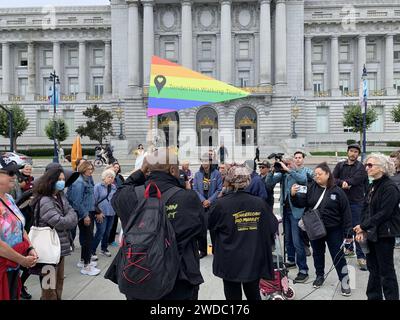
(346, 291)
(94, 257)
(301, 278)
(362, 264)
(80, 264)
(290, 265)
(349, 253)
(105, 253)
(307, 250)
(90, 271)
(318, 282)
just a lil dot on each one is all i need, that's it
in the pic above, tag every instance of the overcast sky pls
(39, 3)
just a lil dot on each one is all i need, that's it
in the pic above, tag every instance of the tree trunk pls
(15, 143)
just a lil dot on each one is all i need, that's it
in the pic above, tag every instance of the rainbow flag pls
(173, 87)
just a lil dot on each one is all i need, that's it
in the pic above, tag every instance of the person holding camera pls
(287, 174)
(25, 179)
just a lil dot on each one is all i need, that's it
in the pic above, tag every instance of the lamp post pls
(364, 100)
(295, 114)
(119, 111)
(54, 98)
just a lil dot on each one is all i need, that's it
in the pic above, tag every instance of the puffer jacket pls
(60, 215)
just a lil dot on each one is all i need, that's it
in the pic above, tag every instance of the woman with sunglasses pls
(380, 224)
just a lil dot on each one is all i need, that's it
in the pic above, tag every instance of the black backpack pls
(147, 264)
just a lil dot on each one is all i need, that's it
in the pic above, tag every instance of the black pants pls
(86, 239)
(113, 231)
(12, 277)
(382, 274)
(25, 275)
(233, 290)
(202, 239)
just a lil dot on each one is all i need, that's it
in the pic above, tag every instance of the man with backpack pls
(350, 175)
(165, 264)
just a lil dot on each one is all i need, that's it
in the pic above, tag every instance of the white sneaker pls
(105, 253)
(90, 271)
(94, 257)
(80, 264)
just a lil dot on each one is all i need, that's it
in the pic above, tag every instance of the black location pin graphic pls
(160, 82)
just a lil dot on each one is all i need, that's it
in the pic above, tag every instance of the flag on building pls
(173, 87)
(52, 96)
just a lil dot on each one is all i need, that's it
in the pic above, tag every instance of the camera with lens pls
(278, 159)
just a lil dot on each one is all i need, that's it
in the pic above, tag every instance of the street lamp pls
(295, 115)
(364, 100)
(119, 111)
(54, 98)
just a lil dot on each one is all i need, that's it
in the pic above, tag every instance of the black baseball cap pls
(354, 146)
(11, 169)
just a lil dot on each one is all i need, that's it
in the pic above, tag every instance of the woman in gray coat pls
(54, 211)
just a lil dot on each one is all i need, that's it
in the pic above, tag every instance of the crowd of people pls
(358, 204)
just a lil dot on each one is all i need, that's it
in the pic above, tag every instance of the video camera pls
(278, 158)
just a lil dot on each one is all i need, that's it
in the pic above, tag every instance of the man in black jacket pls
(350, 175)
(184, 210)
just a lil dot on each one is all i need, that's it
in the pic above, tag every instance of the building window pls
(372, 81)
(48, 58)
(344, 54)
(207, 73)
(46, 87)
(344, 83)
(206, 49)
(396, 84)
(244, 49)
(377, 126)
(73, 57)
(317, 52)
(207, 127)
(98, 57)
(23, 58)
(244, 78)
(98, 86)
(69, 118)
(170, 50)
(318, 82)
(22, 86)
(322, 119)
(396, 51)
(73, 86)
(371, 52)
(42, 120)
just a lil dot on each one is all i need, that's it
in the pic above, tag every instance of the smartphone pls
(302, 189)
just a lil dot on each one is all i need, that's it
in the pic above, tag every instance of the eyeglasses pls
(370, 165)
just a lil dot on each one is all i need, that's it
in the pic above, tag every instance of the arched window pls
(207, 127)
(169, 124)
(246, 127)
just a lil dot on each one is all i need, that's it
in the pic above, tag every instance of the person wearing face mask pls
(380, 224)
(52, 206)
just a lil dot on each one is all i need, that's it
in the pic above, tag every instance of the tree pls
(61, 130)
(353, 117)
(98, 128)
(20, 123)
(396, 113)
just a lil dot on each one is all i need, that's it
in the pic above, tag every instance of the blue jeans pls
(293, 241)
(334, 240)
(356, 220)
(102, 233)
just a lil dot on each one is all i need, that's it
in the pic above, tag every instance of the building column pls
(280, 45)
(308, 85)
(226, 42)
(31, 91)
(57, 57)
(362, 58)
(82, 71)
(6, 68)
(148, 39)
(265, 42)
(335, 66)
(107, 68)
(389, 65)
(187, 42)
(133, 45)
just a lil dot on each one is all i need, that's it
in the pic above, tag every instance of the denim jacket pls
(298, 176)
(215, 185)
(100, 192)
(81, 196)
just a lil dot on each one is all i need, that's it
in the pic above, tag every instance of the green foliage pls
(98, 126)
(61, 130)
(20, 123)
(350, 141)
(353, 117)
(393, 144)
(396, 113)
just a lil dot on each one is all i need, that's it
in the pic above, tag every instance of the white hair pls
(384, 162)
(107, 173)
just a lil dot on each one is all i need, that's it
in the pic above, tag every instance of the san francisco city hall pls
(300, 60)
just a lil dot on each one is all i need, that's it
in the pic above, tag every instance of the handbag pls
(313, 224)
(46, 242)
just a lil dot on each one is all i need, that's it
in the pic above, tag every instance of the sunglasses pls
(9, 173)
(370, 165)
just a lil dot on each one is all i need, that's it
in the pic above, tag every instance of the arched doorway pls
(207, 127)
(246, 127)
(169, 124)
